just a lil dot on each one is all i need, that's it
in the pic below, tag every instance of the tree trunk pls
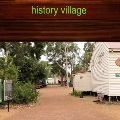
(71, 71)
(55, 80)
(62, 81)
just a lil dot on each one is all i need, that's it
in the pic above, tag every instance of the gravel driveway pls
(55, 103)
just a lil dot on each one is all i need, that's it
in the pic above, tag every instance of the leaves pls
(58, 52)
(25, 56)
(86, 57)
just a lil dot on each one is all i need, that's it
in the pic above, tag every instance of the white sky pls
(80, 45)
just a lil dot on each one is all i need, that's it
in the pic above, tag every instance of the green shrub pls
(24, 92)
(76, 93)
(2, 106)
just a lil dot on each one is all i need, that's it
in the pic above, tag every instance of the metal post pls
(73, 89)
(8, 105)
(116, 98)
(66, 65)
(109, 99)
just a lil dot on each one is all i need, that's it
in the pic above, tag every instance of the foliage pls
(76, 68)
(24, 49)
(58, 52)
(2, 106)
(25, 56)
(57, 71)
(23, 92)
(21, 64)
(28, 70)
(42, 71)
(2, 68)
(34, 70)
(88, 48)
(84, 60)
(11, 72)
(76, 93)
(8, 71)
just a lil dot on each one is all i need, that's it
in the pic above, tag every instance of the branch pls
(60, 66)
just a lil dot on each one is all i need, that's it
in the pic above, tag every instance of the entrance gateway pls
(100, 23)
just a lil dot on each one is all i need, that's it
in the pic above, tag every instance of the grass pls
(76, 93)
(116, 103)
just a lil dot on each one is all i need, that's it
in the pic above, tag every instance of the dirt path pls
(56, 104)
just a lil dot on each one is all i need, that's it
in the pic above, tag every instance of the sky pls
(80, 45)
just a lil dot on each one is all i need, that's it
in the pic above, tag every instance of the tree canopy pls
(25, 56)
(84, 60)
(61, 54)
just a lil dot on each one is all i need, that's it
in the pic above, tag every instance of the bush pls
(24, 92)
(76, 93)
(21, 92)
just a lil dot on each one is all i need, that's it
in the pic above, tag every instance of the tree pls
(76, 68)
(26, 56)
(86, 57)
(8, 70)
(58, 52)
(42, 71)
(21, 65)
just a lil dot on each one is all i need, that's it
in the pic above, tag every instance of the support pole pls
(66, 66)
(8, 105)
(73, 89)
(117, 98)
(109, 99)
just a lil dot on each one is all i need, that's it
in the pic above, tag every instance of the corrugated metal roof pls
(112, 44)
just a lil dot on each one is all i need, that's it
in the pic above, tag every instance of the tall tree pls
(85, 58)
(26, 56)
(62, 54)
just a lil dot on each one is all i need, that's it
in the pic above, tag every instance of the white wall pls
(82, 81)
(50, 81)
(114, 82)
(100, 69)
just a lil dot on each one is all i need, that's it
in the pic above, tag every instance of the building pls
(53, 81)
(50, 81)
(82, 81)
(105, 68)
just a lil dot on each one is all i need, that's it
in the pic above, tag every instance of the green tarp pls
(0, 91)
